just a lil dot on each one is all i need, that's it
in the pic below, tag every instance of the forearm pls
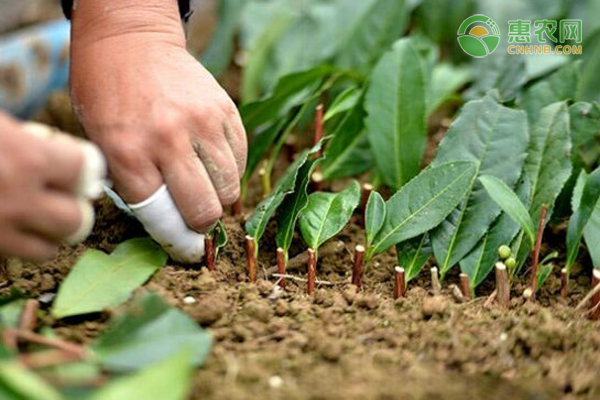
(97, 21)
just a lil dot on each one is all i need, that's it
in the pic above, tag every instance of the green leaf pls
(348, 153)
(543, 273)
(395, 105)
(579, 220)
(446, 79)
(291, 91)
(381, 23)
(345, 101)
(292, 206)
(495, 137)
(99, 281)
(221, 238)
(413, 255)
(10, 313)
(263, 213)
(548, 164)
(559, 86)
(149, 332)
(18, 383)
(589, 88)
(423, 203)
(220, 51)
(585, 130)
(510, 204)
(258, 55)
(374, 216)
(481, 260)
(326, 214)
(169, 380)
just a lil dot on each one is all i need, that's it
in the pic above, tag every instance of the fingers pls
(220, 163)
(192, 190)
(74, 165)
(235, 133)
(27, 246)
(164, 223)
(58, 217)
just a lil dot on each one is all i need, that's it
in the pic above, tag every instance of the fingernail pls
(93, 172)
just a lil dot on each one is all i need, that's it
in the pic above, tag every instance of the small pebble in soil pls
(275, 382)
(265, 288)
(350, 293)
(189, 300)
(436, 305)
(46, 297)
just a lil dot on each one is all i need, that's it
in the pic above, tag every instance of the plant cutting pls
(324, 216)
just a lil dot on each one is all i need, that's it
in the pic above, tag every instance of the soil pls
(338, 343)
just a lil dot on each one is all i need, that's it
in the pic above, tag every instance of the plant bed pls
(342, 344)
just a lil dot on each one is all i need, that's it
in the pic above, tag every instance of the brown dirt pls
(343, 344)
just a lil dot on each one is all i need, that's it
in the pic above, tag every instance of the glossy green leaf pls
(348, 152)
(168, 380)
(423, 203)
(150, 331)
(263, 213)
(326, 214)
(495, 137)
(99, 281)
(481, 260)
(548, 164)
(18, 383)
(413, 255)
(591, 232)
(510, 204)
(220, 51)
(579, 220)
(381, 23)
(374, 216)
(543, 273)
(395, 105)
(345, 101)
(292, 206)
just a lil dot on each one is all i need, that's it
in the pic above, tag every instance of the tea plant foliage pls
(168, 380)
(99, 281)
(374, 216)
(263, 213)
(495, 138)
(395, 105)
(510, 204)
(413, 255)
(326, 214)
(548, 165)
(150, 332)
(348, 153)
(18, 382)
(292, 206)
(584, 220)
(423, 203)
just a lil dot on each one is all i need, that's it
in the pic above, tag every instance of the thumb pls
(164, 223)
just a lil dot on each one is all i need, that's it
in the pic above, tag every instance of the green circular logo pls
(480, 40)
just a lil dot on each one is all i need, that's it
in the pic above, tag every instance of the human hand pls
(158, 115)
(46, 180)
